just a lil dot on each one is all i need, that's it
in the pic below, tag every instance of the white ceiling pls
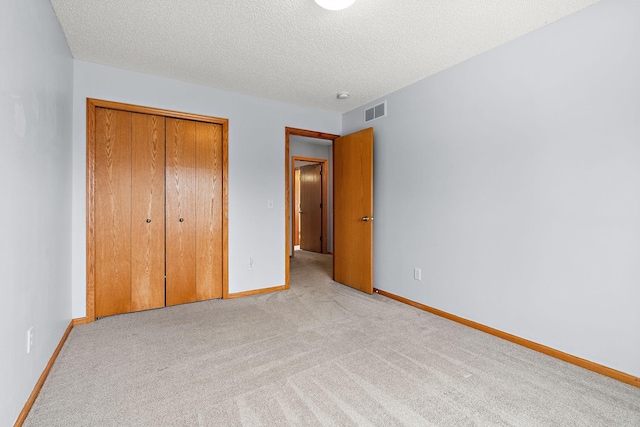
(293, 50)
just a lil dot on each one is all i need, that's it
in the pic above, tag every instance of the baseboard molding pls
(43, 377)
(257, 292)
(583, 363)
(81, 321)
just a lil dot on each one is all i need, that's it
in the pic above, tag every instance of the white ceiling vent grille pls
(375, 112)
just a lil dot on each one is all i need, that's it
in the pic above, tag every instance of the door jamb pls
(92, 104)
(288, 131)
(325, 196)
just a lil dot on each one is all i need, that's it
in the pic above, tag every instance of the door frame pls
(92, 104)
(295, 197)
(288, 131)
(325, 197)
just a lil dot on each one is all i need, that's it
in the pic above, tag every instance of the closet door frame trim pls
(92, 104)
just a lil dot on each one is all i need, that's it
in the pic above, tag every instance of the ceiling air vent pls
(375, 112)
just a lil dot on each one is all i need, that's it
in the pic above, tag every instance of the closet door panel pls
(147, 213)
(180, 212)
(208, 211)
(112, 212)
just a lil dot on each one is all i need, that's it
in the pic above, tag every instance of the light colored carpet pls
(318, 354)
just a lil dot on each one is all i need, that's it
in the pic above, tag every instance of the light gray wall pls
(36, 76)
(513, 181)
(256, 164)
(316, 151)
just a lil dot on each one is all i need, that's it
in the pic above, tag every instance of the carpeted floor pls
(318, 354)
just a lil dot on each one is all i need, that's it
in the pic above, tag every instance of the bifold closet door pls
(129, 212)
(112, 212)
(147, 212)
(193, 211)
(180, 212)
(208, 211)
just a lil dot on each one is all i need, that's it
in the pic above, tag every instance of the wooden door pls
(112, 212)
(296, 207)
(311, 208)
(180, 211)
(353, 210)
(156, 208)
(208, 152)
(193, 211)
(147, 212)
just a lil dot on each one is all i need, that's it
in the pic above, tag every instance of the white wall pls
(513, 181)
(315, 151)
(256, 164)
(36, 75)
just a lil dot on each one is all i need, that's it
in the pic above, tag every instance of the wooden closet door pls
(147, 212)
(112, 212)
(180, 219)
(311, 208)
(208, 211)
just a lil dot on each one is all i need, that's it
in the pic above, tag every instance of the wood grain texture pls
(574, 360)
(90, 303)
(287, 217)
(310, 133)
(147, 201)
(311, 208)
(295, 211)
(325, 197)
(353, 200)
(225, 209)
(208, 211)
(155, 111)
(180, 212)
(113, 212)
(92, 106)
(45, 373)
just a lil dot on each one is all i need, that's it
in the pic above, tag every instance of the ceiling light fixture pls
(335, 4)
(343, 95)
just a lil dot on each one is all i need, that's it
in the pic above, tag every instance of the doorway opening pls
(310, 206)
(307, 148)
(350, 229)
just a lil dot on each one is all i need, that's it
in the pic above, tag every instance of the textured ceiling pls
(293, 50)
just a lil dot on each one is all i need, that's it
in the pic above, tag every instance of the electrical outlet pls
(250, 263)
(29, 339)
(417, 274)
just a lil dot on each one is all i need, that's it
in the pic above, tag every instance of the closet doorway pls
(156, 208)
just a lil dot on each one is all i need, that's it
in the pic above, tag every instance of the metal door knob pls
(365, 218)
(181, 220)
(148, 220)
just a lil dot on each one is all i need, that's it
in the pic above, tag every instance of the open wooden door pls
(311, 208)
(353, 210)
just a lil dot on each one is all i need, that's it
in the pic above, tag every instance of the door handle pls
(148, 220)
(366, 218)
(181, 220)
